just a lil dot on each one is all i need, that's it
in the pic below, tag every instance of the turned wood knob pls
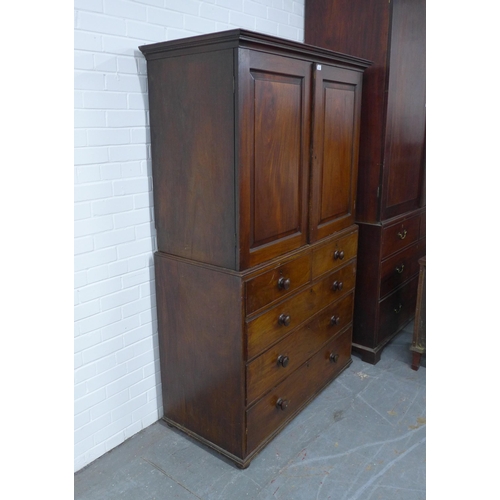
(339, 254)
(284, 283)
(283, 360)
(282, 404)
(334, 320)
(337, 285)
(284, 319)
(334, 357)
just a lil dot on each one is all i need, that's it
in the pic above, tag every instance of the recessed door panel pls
(277, 181)
(337, 144)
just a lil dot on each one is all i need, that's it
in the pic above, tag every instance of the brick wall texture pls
(117, 389)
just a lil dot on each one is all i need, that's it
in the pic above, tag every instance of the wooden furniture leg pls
(418, 342)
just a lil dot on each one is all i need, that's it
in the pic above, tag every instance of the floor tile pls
(362, 438)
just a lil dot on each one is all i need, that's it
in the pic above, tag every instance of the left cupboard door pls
(274, 137)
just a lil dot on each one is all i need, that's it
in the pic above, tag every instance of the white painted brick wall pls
(117, 381)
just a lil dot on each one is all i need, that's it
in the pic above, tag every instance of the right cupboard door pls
(336, 116)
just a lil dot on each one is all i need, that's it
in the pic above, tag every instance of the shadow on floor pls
(363, 437)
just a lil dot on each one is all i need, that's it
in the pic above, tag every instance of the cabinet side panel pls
(192, 139)
(201, 351)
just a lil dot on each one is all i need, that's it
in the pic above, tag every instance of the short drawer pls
(272, 325)
(283, 402)
(397, 269)
(277, 283)
(400, 235)
(397, 309)
(283, 358)
(334, 254)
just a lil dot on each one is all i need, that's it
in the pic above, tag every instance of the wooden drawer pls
(284, 357)
(277, 283)
(397, 309)
(400, 235)
(334, 254)
(269, 327)
(267, 416)
(397, 269)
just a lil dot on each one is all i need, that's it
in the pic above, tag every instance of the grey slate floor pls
(363, 437)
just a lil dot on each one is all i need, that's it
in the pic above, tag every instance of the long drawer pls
(272, 325)
(284, 357)
(397, 269)
(397, 236)
(284, 401)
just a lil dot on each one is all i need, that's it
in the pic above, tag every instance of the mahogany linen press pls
(254, 144)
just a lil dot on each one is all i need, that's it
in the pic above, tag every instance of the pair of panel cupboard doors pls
(259, 150)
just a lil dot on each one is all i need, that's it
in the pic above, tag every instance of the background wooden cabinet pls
(255, 146)
(391, 177)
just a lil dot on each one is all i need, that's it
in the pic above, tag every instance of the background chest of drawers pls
(255, 148)
(391, 181)
(386, 298)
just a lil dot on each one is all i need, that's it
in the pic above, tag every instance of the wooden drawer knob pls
(334, 357)
(334, 320)
(282, 404)
(283, 283)
(337, 285)
(284, 319)
(283, 360)
(338, 254)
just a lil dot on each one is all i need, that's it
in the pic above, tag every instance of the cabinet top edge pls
(246, 38)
